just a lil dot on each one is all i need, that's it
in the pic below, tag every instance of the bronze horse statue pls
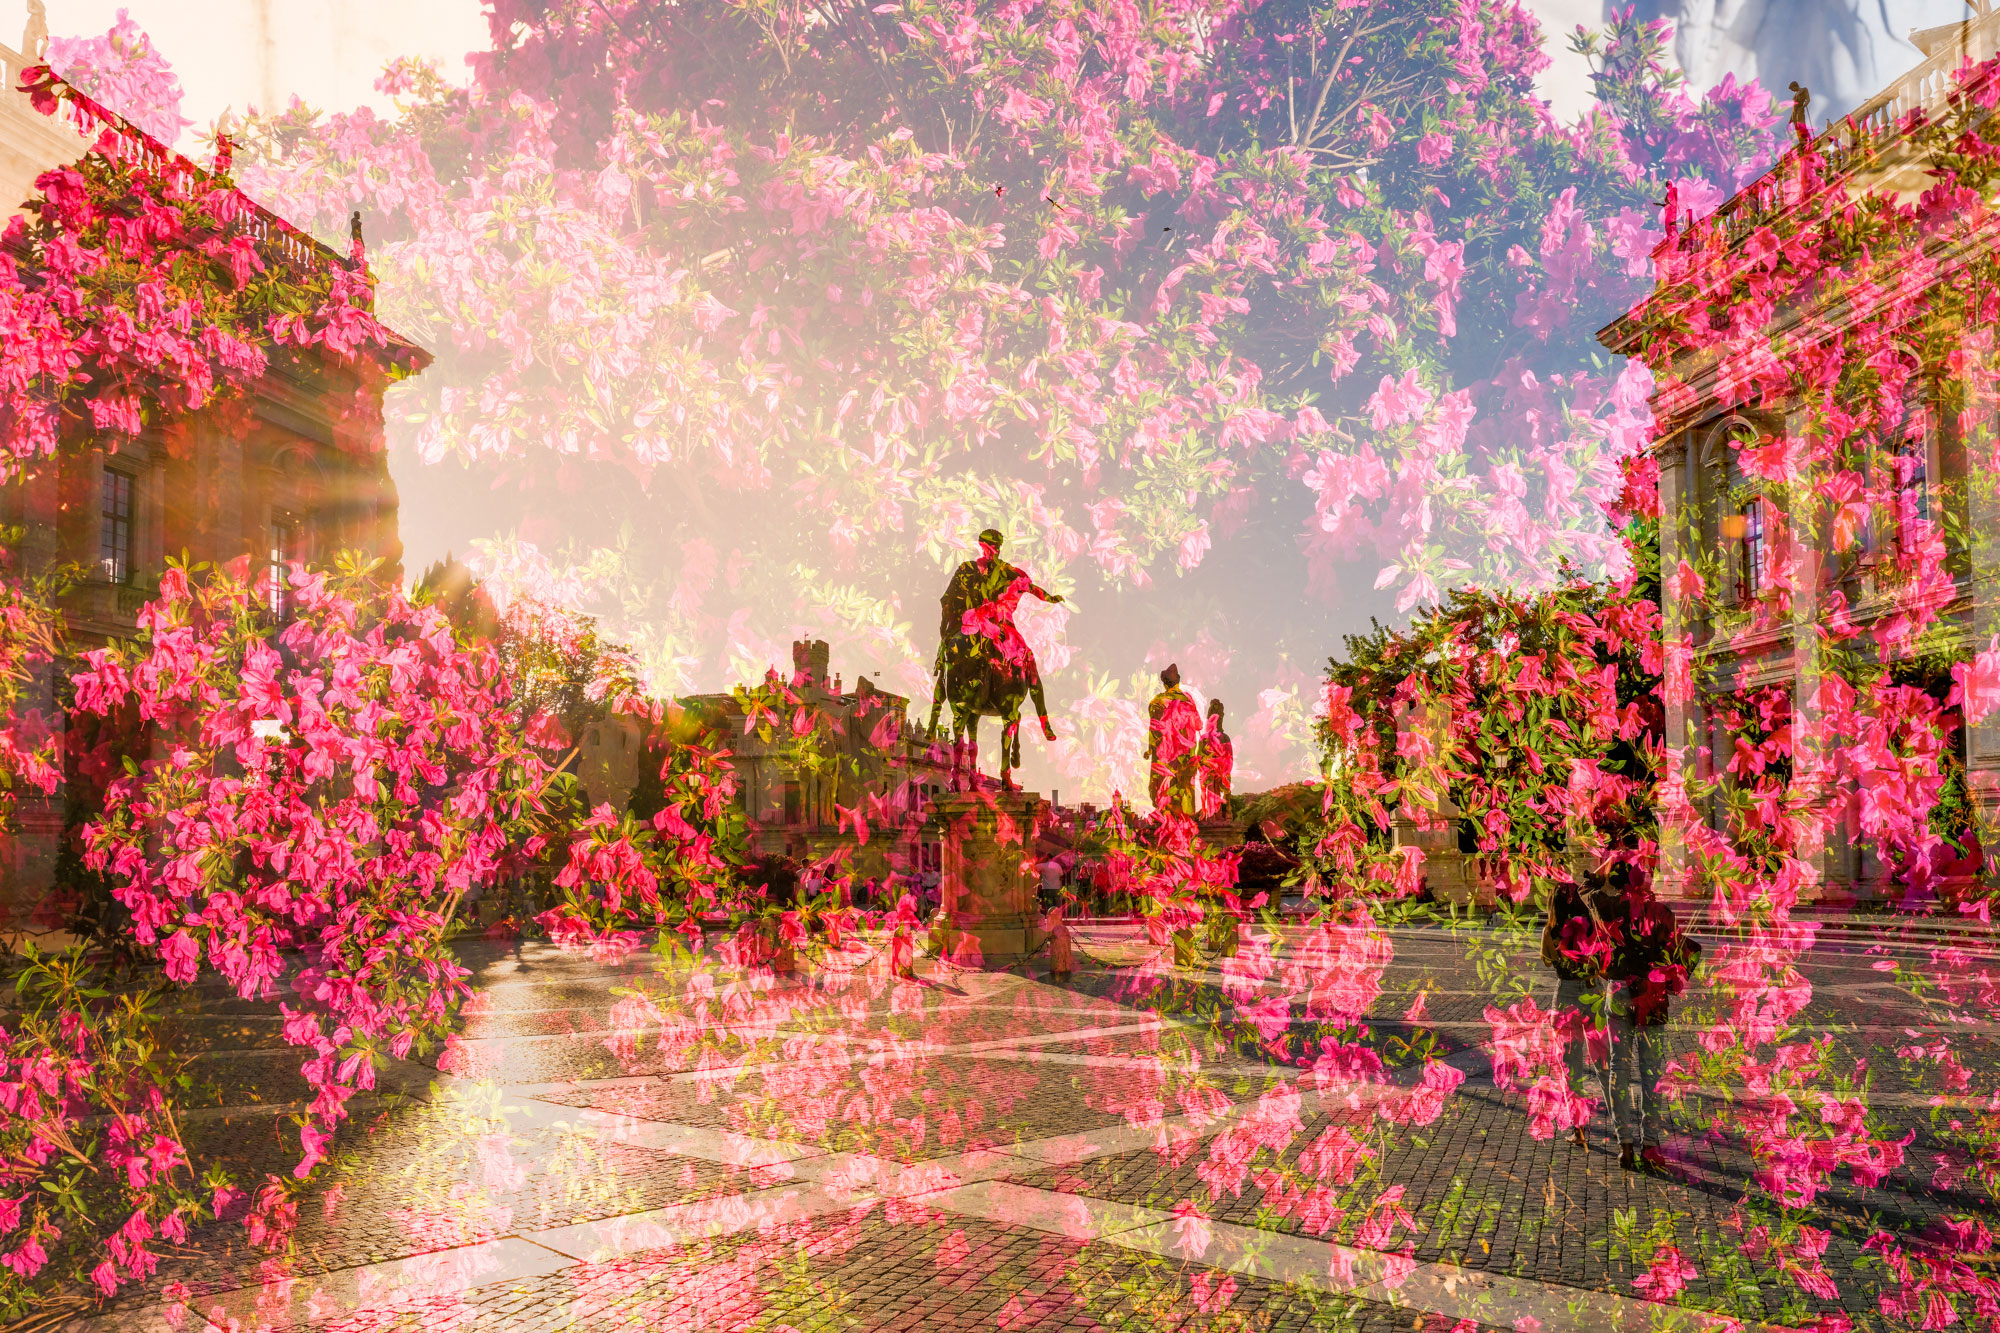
(973, 678)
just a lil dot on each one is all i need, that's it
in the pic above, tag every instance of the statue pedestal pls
(990, 876)
(1448, 871)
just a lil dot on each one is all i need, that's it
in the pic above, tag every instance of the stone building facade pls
(299, 472)
(30, 143)
(1711, 510)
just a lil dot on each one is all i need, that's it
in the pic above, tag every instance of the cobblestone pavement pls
(996, 1150)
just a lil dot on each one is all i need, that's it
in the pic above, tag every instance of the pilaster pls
(1678, 507)
(1811, 552)
(1981, 425)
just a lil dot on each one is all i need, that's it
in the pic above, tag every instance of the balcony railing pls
(276, 239)
(1846, 145)
(101, 600)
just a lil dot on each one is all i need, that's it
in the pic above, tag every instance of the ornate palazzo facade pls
(1717, 518)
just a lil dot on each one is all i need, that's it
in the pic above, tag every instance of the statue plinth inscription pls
(990, 875)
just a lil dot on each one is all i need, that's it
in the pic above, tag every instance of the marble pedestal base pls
(990, 877)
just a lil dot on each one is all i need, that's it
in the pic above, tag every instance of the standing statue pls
(984, 667)
(1173, 735)
(1848, 50)
(1801, 99)
(36, 34)
(1218, 763)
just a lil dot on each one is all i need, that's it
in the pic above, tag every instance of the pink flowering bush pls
(31, 637)
(123, 69)
(93, 1171)
(865, 286)
(92, 1168)
(306, 803)
(662, 871)
(1524, 722)
(134, 290)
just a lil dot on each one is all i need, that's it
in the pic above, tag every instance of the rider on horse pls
(980, 604)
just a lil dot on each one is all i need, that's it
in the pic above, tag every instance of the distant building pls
(881, 763)
(607, 761)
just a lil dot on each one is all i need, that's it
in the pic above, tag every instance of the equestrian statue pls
(984, 667)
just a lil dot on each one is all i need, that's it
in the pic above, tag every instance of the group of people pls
(1619, 957)
(1191, 764)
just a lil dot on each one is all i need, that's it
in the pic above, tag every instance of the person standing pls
(1218, 764)
(1173, 734)
(1051, 872)
(1649, 966)
(1577, 944)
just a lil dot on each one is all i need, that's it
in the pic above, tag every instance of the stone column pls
(1445, 869)
(1981, 427)
(1680, 518)
(989, 876)
(1828, 856)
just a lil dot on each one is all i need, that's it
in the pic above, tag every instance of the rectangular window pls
(1755, 552)
(794, 808)
(114, 542)
(283, 554)
(1918, 489)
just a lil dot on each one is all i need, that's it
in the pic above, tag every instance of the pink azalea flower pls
(1666, 1277)
(1192, 1230)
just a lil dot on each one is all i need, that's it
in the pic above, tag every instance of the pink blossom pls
(1192, 1231)
(1398, 401)
(1666, 1277)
